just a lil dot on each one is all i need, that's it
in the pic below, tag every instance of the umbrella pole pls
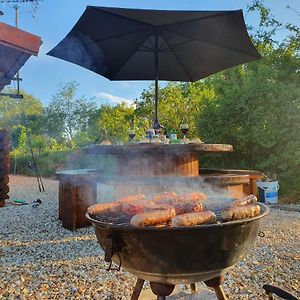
(156, 124)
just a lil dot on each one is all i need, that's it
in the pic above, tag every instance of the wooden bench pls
(248, 188)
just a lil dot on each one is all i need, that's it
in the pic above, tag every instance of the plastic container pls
(268, 191)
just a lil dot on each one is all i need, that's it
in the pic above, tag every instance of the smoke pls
(147, 169)
(119, 171)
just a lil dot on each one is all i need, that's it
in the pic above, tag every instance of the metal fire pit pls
(178, 255)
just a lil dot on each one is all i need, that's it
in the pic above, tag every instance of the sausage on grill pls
(137, 207)
(164, 196)
(152, 218)
(240, 212)
(251, 199)
(183, 206)
(195, 196)
(112, 206)
(103, 208)
(132, 198)
(197, 218)
(186, 203)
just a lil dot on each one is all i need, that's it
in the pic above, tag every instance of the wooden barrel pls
(4, 166)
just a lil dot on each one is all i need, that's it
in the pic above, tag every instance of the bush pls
(51, 162)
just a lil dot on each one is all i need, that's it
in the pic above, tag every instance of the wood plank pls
(18, 39)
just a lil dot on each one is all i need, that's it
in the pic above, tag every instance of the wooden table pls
(158, 159)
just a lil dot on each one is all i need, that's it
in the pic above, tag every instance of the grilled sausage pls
(137, 207)
(132, 198)
(183, 206)
(164, 196)
(240, 212)
(195, 196)
(251, 199)
(103, 208)
(152, 218)
(197, 218)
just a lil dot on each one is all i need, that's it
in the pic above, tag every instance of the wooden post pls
(4, 166)
(77, 191)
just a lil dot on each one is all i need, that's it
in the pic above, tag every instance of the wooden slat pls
(19, 39)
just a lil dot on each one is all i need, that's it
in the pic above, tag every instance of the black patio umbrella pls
(139, 44)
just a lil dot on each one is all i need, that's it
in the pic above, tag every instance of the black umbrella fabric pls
(138, 44)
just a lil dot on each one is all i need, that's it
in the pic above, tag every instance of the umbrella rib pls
(180, 22)
(129, 56)
(180, 62)
(204, 18)
(206, 42)
(133, 42)
(120, 35)
(119, 16)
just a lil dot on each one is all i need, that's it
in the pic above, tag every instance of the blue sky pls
(55, 18)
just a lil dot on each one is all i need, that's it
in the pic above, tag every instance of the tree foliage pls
(114, 122)
(67, 114)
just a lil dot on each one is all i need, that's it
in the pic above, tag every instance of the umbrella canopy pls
(138, 44)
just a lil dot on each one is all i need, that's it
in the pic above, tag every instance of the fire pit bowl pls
(178, 255)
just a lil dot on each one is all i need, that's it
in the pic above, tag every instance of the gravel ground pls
(41, 260)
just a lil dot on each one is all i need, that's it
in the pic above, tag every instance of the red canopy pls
(16, 46)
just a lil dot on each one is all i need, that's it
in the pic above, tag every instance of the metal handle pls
(111, 247)
(270, 289)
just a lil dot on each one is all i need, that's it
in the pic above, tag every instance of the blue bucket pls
(268, 191)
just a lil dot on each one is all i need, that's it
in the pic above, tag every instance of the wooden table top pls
(157, 148)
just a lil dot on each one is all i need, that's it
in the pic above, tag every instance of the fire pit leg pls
(161, 290)
(215, 283)
(193, 288)
(137, 289)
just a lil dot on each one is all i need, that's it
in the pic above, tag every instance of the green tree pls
(178, 103)
(257, 108)
(114, 122)
(16, 114)
(67, 114)
(27, 111)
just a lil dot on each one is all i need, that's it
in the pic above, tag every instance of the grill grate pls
(110, 219)
(122, 220)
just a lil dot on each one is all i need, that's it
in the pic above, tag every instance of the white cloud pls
(114, 98)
